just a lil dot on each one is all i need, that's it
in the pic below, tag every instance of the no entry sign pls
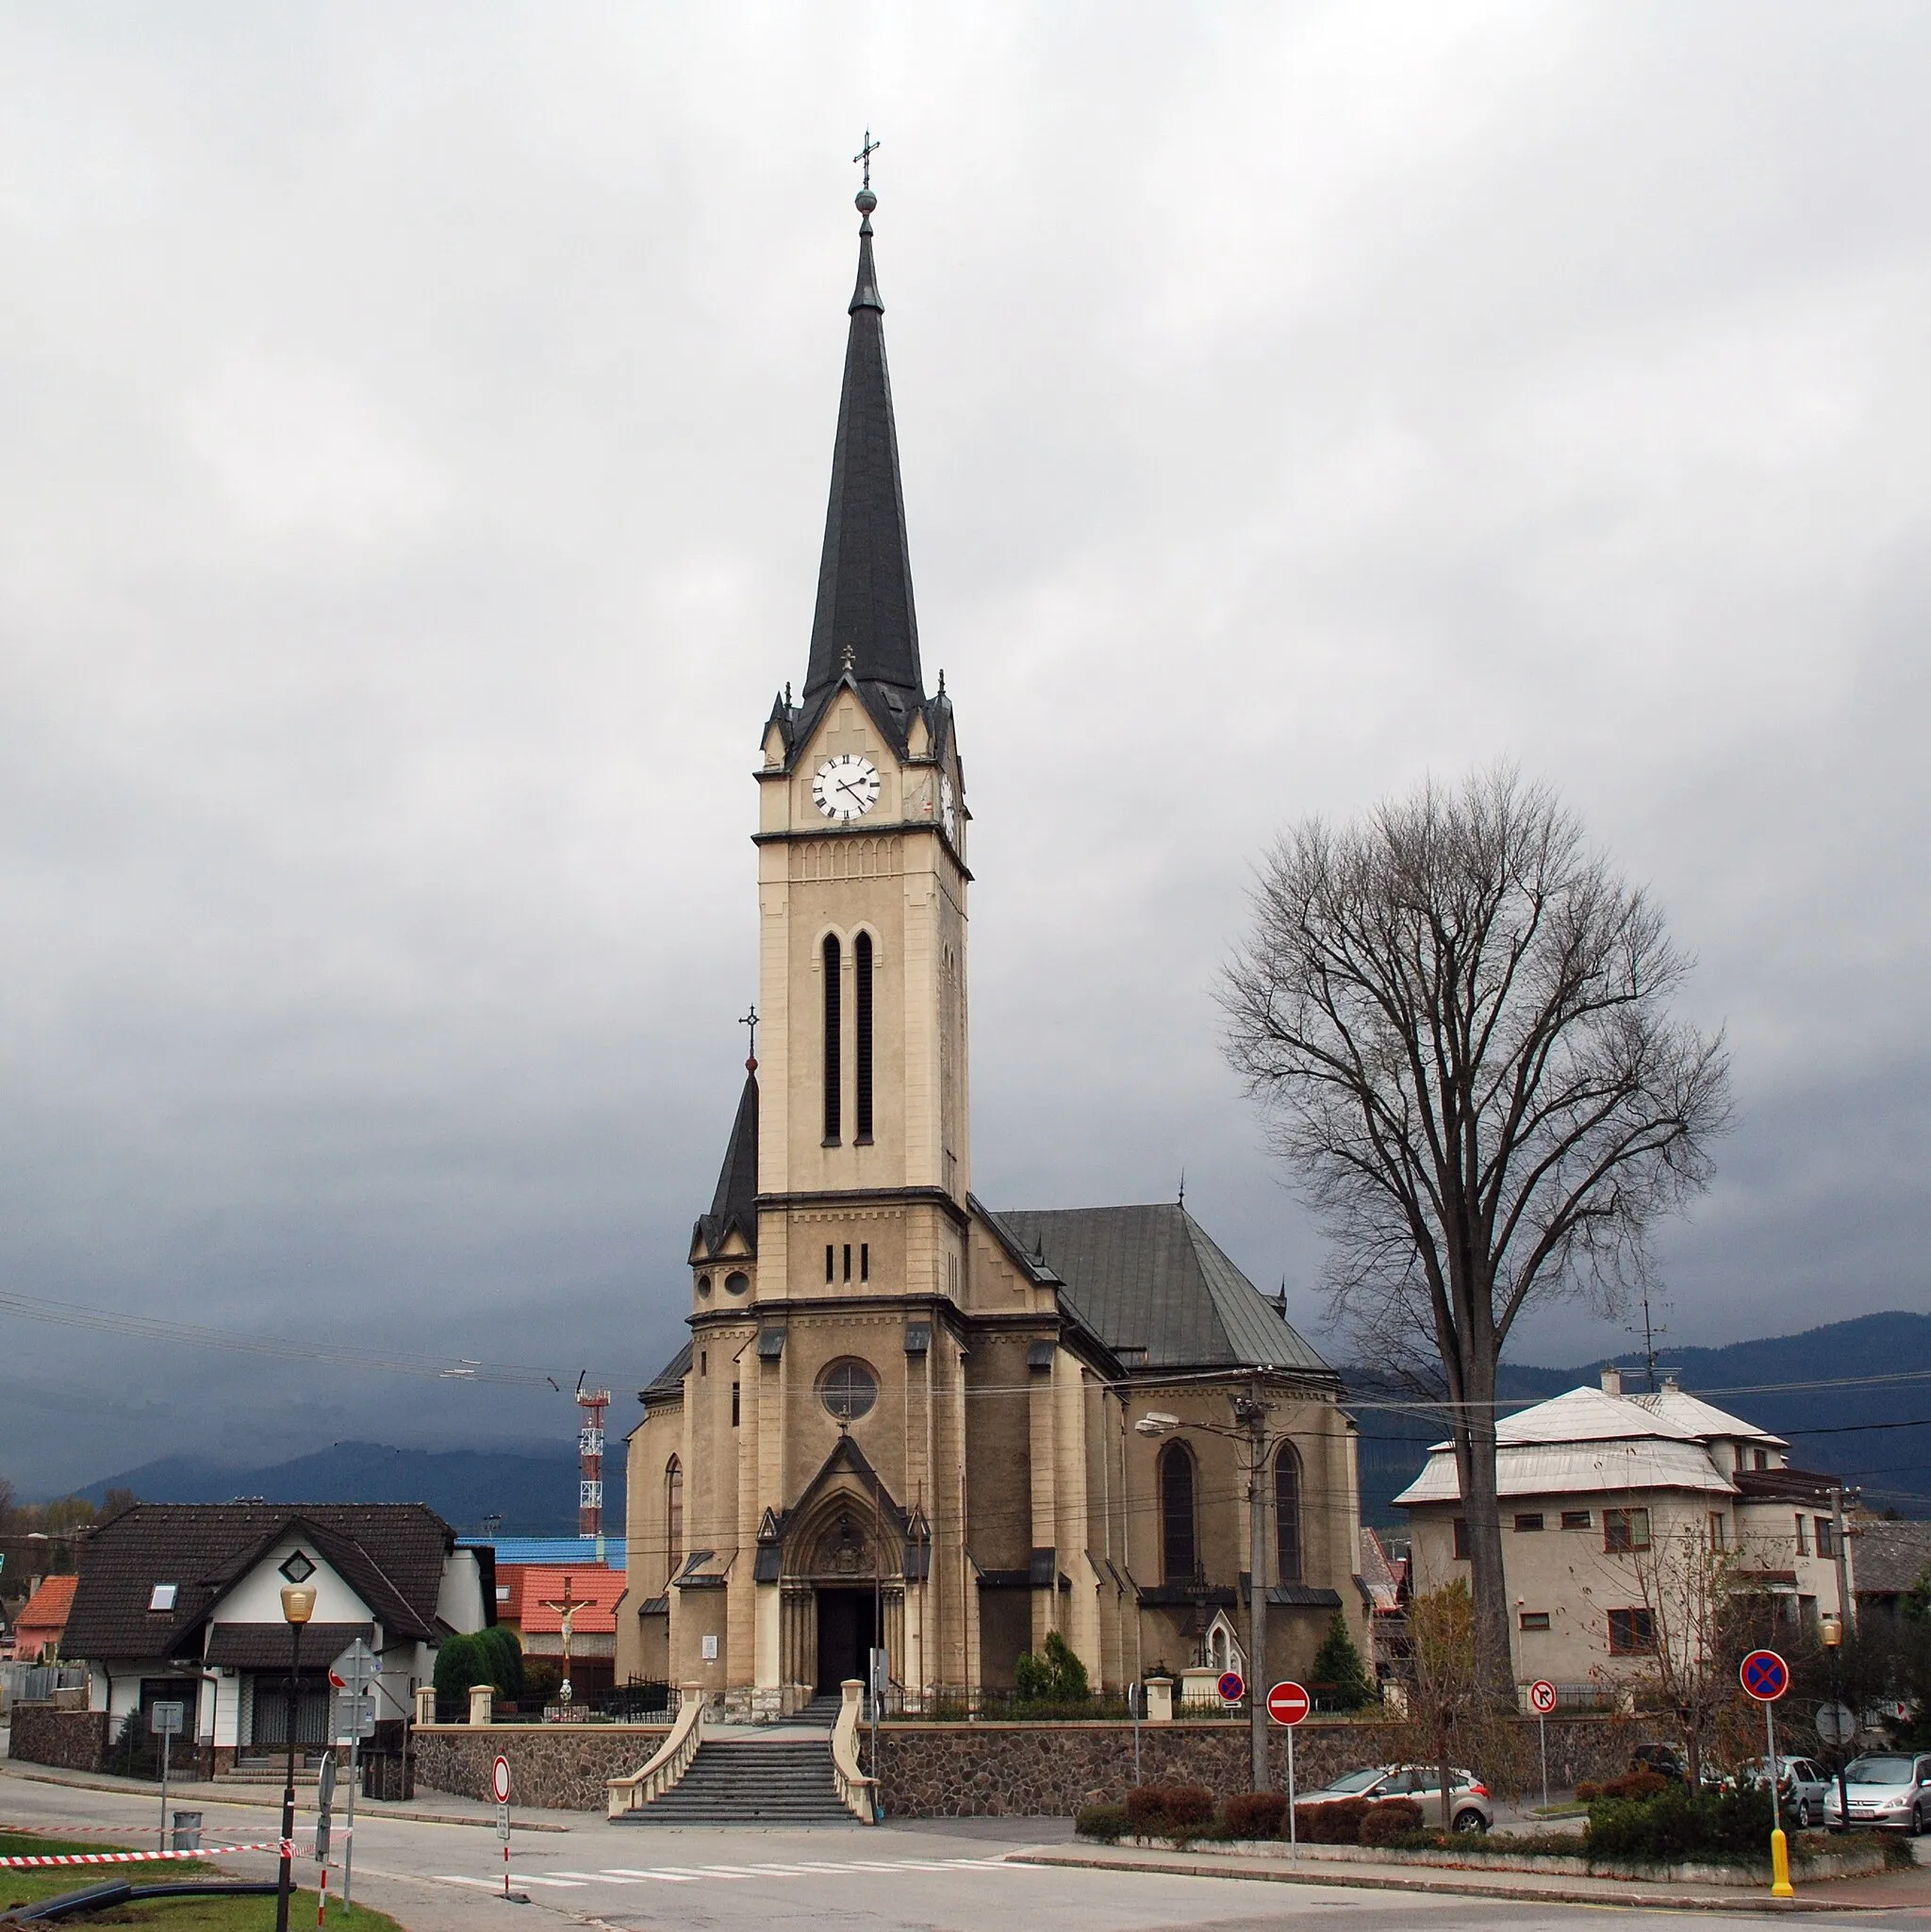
(1765, 1676)
(1288, 1703)
(1541, 1697)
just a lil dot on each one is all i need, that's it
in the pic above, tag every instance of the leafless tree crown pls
(1459, 1020)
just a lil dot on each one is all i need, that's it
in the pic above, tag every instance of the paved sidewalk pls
(1889, 1892)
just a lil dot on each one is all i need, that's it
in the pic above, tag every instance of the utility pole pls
(1251, 1413)
(1846, 1609)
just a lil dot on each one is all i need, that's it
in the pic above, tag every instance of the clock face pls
(846, 788)
(949, 807)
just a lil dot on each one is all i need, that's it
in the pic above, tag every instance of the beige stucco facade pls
(896, 1420)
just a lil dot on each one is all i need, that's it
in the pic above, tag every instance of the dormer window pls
(161, 1598)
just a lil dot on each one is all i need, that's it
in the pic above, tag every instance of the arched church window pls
(835, 1100)
(1287, 1516)
(1178, 1548)
(861, 962)
(673, 1514)
(848, 1389)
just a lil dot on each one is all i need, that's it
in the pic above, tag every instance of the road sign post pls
(1542, 1700)
(1766, 1676)
(1288, 1705)
(167, 1719)
(498, 1790)
(355, 1673)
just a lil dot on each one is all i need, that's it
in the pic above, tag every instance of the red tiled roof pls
(598, 1585)
(46, 1609)
(509, 1591)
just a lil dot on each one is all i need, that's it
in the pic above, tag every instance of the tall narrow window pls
(673, 1514)
(1177, 1547)
(1287, 1516)
(861, 962)
(835, 1100)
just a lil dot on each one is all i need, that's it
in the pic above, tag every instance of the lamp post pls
(1831, 1629)
(1250, 1417)
(298, 1606)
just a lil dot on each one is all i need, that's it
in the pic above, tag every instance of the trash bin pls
(186, 1831)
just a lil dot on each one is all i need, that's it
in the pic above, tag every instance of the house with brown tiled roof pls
(42, 1622)
(182, 1602)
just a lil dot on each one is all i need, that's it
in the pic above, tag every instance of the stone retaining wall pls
(552, 1767)
(984, 1770)
(72, 1740)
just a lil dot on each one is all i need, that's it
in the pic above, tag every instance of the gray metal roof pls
(1153, 1278)
(669, 1379)
(1891, 1556)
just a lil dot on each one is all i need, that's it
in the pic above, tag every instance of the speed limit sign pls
(1541, 1697)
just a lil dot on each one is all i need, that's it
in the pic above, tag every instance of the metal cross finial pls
(863, 156)
(750, 1020)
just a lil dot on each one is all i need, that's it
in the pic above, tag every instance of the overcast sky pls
(417, 429)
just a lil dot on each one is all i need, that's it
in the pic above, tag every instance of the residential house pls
(1596, 1485)
(43, 1623)
(1891, 1557)
(182, 1601)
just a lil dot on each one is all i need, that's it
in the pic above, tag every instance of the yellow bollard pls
(1780, 1865)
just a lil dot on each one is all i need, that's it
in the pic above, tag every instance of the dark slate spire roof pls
(733, 1207)
(865, 624)
(1153, 1278)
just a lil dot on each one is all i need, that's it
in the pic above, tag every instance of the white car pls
(1889, 1791)
(1471, 1809)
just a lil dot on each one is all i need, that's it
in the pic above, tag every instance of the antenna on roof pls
(1652, 1333)
(1184, 1187)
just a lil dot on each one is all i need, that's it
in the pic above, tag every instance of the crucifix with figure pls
(566, 1606)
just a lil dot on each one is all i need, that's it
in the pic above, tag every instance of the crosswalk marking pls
(566, 1878)
(663, 1877)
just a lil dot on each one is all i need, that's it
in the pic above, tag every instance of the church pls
(905, 1419)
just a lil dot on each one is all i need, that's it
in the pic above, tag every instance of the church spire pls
(864, 623)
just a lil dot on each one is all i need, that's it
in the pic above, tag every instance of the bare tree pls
(1687, 1585)
(1459, 1018)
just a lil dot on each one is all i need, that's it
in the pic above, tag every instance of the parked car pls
(1660, 1759)
(1802, 1786)
(1889, 1789)
(1471, 1809)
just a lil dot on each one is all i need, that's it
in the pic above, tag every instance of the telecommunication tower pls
(593, 1402)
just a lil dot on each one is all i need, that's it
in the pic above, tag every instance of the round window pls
(736, 1282)
(849, 1390)
(703, 1284)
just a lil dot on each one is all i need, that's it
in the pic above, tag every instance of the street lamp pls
(298, 1606)
(1830, 1628)
(1250, 1415)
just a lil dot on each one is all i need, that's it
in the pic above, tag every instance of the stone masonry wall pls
(73, 1739)
(552, 1767)
(981, 1770)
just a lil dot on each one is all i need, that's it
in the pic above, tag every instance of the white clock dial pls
(949, 807)
(846, 786)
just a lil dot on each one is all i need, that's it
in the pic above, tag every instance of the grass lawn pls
(175, 1914)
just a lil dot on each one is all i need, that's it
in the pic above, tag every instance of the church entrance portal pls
(848, 1630)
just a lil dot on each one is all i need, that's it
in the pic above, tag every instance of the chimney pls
(1612, 1379)
(1671, 1385)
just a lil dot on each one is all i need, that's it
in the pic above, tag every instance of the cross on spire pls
(864, 158)
(750, 1065)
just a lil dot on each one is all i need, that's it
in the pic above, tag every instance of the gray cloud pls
(418, 432)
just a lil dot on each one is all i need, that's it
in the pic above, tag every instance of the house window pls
(835, 1100)
(1533, 1520)
(1576, 1519)
(1534, 1620)
(1802, 1542)
(673, 1514)
(161, 1598)
(1759, 1459)
(1719, 1537)
(1177, 1550)
(1826, 1537)
(1462, 1539)
(1632, 1633)
(861, 960)
(1287, 1516)
(1625, 1530)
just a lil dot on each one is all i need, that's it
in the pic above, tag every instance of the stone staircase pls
(270, 1766)
(755, 1781)
(822, 1710)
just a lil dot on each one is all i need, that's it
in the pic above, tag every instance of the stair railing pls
(672, 1759)
(858, 1793)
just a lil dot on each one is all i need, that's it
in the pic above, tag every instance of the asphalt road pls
(947, 1877)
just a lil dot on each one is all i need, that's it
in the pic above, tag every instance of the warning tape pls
(267, 1845)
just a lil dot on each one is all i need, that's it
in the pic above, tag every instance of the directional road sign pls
(1232, 1686)
(1287, 1702)
(356, 1670)
(1765, 1676)
(1541, 1697)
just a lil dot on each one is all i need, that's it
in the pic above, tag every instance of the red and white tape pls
(267, 1845)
